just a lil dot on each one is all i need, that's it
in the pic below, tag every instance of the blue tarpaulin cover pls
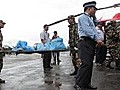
(22, 45)
(55, 44)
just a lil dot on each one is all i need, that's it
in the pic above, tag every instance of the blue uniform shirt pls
(86, 27)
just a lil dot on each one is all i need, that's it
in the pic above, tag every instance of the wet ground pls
(25, 72)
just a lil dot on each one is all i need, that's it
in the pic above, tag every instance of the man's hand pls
(99, 42)
(43, 42)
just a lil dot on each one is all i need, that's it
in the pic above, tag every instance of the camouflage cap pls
(71, 17)
(113, 21)
(1, 21)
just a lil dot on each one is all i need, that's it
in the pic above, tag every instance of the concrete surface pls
(25, 72)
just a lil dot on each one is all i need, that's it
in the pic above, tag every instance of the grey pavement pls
(25, 72)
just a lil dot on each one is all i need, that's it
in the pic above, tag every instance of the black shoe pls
(50, 67)
(74, 73)
(2, 81)
(77, 87)
(58, 62)
(90, 87)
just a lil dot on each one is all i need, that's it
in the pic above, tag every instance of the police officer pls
(73, 40)
(101, 50)
(86, 46)
(1, 49)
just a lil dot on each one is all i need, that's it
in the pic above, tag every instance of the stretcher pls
(32, 52)
(40, 52)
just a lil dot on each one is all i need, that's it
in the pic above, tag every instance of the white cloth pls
(45, 36)
(100, 34)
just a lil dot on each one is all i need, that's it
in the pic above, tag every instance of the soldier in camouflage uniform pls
(1, 54)
(112, 44)
(118, 49)
(73, 39)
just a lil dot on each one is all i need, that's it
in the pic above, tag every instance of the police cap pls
(71, 17)
(90, 4)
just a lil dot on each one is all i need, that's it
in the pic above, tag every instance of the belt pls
(86, 38)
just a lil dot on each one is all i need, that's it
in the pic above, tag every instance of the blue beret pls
(90, 4)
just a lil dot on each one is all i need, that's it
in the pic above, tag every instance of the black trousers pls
(46, 60)
(86, 52)
(101, 52)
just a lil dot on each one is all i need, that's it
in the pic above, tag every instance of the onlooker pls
(56, 54)
(73, 40)
(86, 46)
(101, 50)
(1, 54)
(44, 36)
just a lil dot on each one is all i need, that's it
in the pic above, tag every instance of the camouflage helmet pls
(71, 17)
(1, 21)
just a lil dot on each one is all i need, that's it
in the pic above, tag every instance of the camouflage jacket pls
(118, 31)
(112, 37)
(1, 38)
(73, 35)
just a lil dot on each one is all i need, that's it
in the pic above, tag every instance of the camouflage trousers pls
(1, 61)
(1, 64)
(74, 56)
(114, 56)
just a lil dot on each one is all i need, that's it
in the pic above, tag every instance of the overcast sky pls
(25, 18)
